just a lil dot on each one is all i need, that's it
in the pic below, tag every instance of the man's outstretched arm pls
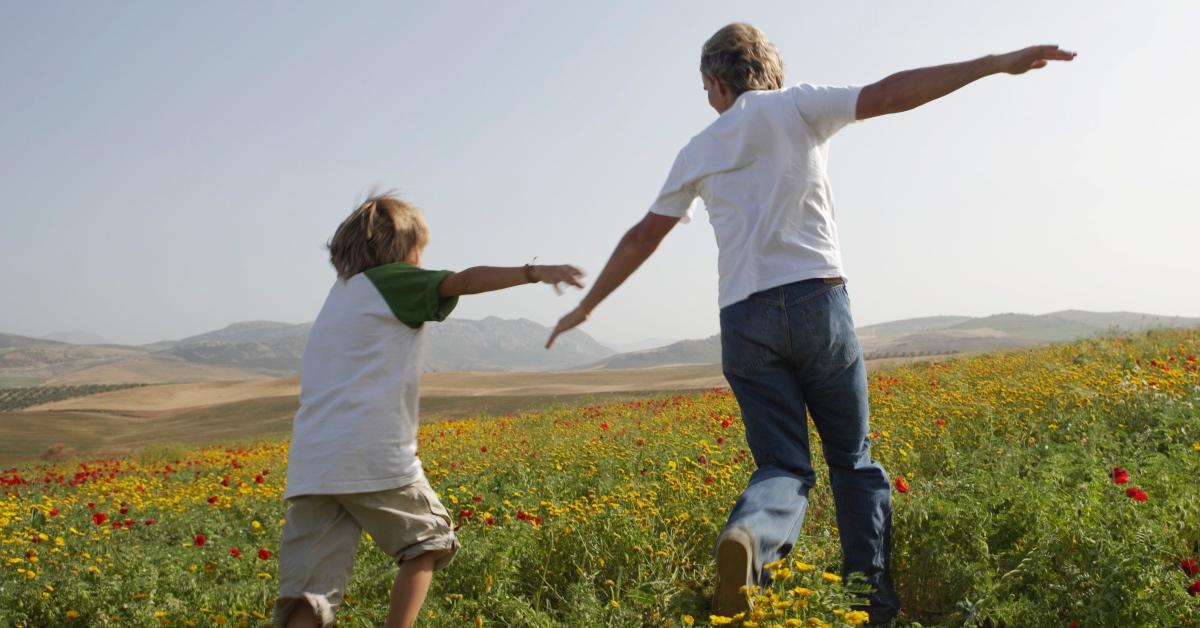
(633, 249)
(912, 88)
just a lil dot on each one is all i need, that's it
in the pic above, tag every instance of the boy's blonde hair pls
(383, 230)
(740, 56)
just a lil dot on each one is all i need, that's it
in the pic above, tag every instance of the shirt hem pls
(828, 273)
(356, 486)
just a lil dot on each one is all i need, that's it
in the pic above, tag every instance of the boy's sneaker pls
(735, 560)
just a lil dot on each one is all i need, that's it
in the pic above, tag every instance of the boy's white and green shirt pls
(356, 430)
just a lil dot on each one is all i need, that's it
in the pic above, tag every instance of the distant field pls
(121, 421)
(174, 397)
(30, 396)
(60, 434)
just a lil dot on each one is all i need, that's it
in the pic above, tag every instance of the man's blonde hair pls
(383, 230)
(740, 56)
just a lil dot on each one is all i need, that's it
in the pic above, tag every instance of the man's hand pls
(555, 275)
(1031, 58)
(573, 319)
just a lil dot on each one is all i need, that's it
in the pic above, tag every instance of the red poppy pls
(200, 540)
(604, 426)
(99, 518)
(235, 552)
(483, 450)
(1189, 566)
(148, 522)
(1134, 492)
(263, 554)
(258, 479)
(901, 484)
(1195, 588)
(490, 520)
(477, 499)
(1119, 476)
(53, 512)
(212, 499)
(941, 422)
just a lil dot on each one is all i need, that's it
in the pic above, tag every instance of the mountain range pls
(258, 349)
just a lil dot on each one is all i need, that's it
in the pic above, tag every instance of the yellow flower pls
(855, 618)
(802, 566)
(687, 620)
(72, 615)
(828, 577)
(255, 524)
(614, 604)
(720, 620)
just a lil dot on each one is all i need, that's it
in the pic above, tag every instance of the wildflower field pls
(1048, 487)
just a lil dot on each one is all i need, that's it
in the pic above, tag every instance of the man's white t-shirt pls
(760, 169)
(356, 430)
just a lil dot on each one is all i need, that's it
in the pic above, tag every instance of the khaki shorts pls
(321, 534)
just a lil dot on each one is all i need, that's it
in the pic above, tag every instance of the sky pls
(169, 168)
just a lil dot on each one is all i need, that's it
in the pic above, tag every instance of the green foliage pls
(606, 515)
(26, 397)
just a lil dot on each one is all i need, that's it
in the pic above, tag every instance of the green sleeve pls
(412, 293)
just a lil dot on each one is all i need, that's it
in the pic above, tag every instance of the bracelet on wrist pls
(528, 269)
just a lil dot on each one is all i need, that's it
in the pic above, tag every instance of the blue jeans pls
(786, 350)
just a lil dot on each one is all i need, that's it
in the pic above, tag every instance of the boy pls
(353, 465)
(787, 340)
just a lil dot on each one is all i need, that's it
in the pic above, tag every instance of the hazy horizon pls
(85, 337)
(169, 170)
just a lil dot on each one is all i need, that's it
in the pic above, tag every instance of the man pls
(787, 339)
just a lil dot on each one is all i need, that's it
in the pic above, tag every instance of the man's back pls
(761, 170)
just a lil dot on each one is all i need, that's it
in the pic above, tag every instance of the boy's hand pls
(573, 319)
(1031, 58)
(555, 275)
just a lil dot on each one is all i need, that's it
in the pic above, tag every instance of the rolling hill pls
(258, 349)
(932, 335)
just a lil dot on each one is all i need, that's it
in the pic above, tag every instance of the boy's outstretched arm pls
(634, 248)
(912, 88)
(489, 278)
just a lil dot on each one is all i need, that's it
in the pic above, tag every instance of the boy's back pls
(356, 428)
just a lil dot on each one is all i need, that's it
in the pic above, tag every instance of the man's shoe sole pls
(733, 574)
